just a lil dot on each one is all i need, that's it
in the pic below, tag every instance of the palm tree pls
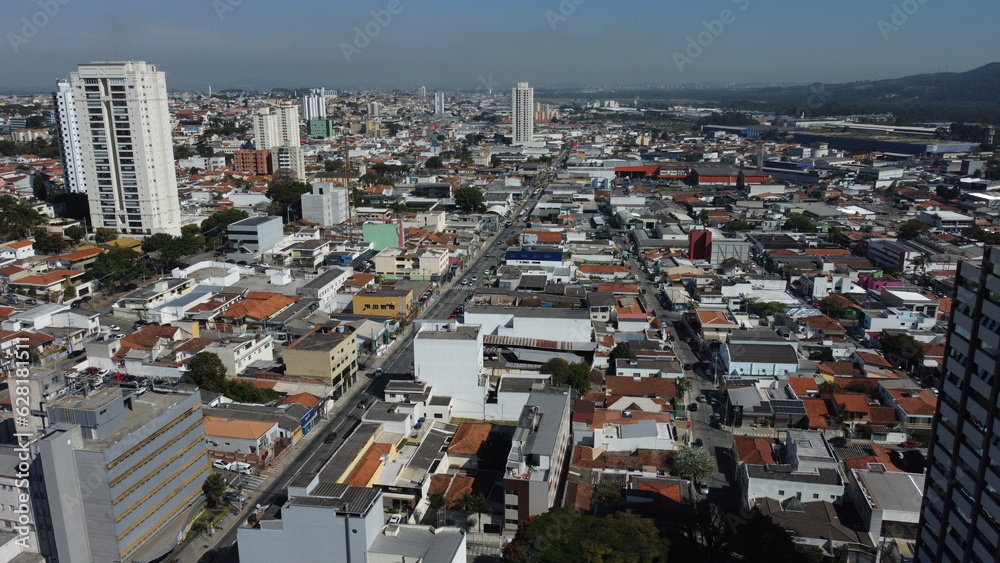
(436, 502)
(683, 386)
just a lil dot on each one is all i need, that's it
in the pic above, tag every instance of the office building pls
(68, 126)
(961, 508)
(438, 103)
(374, 109)
(327, 205)
(128, 160)
(538, 455)
(118, 469)
(276, 128)
(256, 235)
(320, 127)
(523, 113)
(313, 104)
(422, 92)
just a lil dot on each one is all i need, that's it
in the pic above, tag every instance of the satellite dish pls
(258, 507)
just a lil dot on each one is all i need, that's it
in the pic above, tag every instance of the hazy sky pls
(465, 44)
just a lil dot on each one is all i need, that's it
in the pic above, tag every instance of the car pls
(219, 464)
(85, 299)
(687, 366)
(702, 398)
(103, 373)
(241, 467)
(699, 443)
(709, 372)
(703, 487)
(486, 272)
(396, 519)
(330, 438)
(458, 310)
(475, 279)
(910, 444)
(362, 404)
(233, 496)
(693, 407)
(31, 301)
(75, 305)
(117, 336)
(451, 317)
(75, 354)
(378, 372)
(114, 328)
(119, 376)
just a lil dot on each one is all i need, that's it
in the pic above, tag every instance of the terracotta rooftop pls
(755, 451)
(236, 428)
(469, 438)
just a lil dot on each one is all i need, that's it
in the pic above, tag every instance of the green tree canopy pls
(912, 229)
(575, 375)
(434, 162)
(621, 350)
(104, 234)
(214, 488)
(563, 534)
(17, 221)
(118, 265)
(215, 224)
(903, 346)
(799, 224)
(693, 463)
(48, 244)
(470, 200)
(76, 233)
(207, 371)
(288, 195)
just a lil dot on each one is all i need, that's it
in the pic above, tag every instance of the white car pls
(219, 464)
(396, 519)
(241, 467)
(118, 336)
(114, 328)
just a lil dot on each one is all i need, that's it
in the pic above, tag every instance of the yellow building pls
(331, 356)
(383, 302)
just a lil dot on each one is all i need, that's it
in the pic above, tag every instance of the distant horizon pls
(470, 46)
(504, 88)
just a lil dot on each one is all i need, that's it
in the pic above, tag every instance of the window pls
(781, 493)
(510, 492)
(510, 521)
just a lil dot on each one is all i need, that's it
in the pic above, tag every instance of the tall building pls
(327, 205)
(276, 128)
(523, 113)
(374, 109)
(252, 161)
(69, 137)
(126, 147)
(961, 508)
(313, 104)
(117, 470)
(422, 92)
(438, 103)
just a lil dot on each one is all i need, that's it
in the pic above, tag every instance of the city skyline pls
(397, 44)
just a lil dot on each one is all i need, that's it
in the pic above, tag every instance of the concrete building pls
(888, 503)
(538, 454)
(325, 287)
(327, 205)
(523, 114)
(329, 356)
(449, 357)
(811, 473)
(552, 324)
(959, 517)
(14, 482)
(117, 470)
(320, 127)
(238, 353)
(313, 104)
(276, 128)
(438, 103)
(256, 235)
(420, 263)
(125, 140)
(253, 161)
(70, 146)
(383, 302)
(236, 439)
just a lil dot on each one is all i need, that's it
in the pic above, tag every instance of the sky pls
(477, 44)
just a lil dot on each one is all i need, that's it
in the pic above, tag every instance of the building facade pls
(961, 507)
(252, 161)
(70, 145)
(313, 104)
(523, 113)
(276, 128)
(327, 205)
(126, 147)
(256, 234)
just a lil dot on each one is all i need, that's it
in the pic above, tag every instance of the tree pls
(118, 265)
(470, 200)
(575, 375)
(17, 221)
(39, 187)
(905, 347)
(433, 163)
(771, 307)
(621, 350)
(183, 151)
(104, 234)
(215, 224)
(693, 463)
(799, 224)
(738, 225)
(683, 385)
(207, 371)
(288, 195)
(828, 388)
(436, 502)
(478, 504)
(75, 233)
(760, 540)
(563, 534)
(214, 488)
(741, 182)
(912, 229)
(48, 244)
(833, 305)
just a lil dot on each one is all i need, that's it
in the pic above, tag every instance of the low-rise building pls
(239, 352)
(329, 356)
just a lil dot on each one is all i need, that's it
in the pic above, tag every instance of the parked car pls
(378, 372)
(31, 301)
(699, 443)
(451, 317)
(233, 496)
(396, 519)
(693, 407)
(219, 464)
(75, 305)
(330, 438)
(114, 328)
(910, 444)
(117, 336)
(703, 487)
(701, 398)
(241, 467)
(104, 373)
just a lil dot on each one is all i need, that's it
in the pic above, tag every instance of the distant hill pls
(980, 85)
